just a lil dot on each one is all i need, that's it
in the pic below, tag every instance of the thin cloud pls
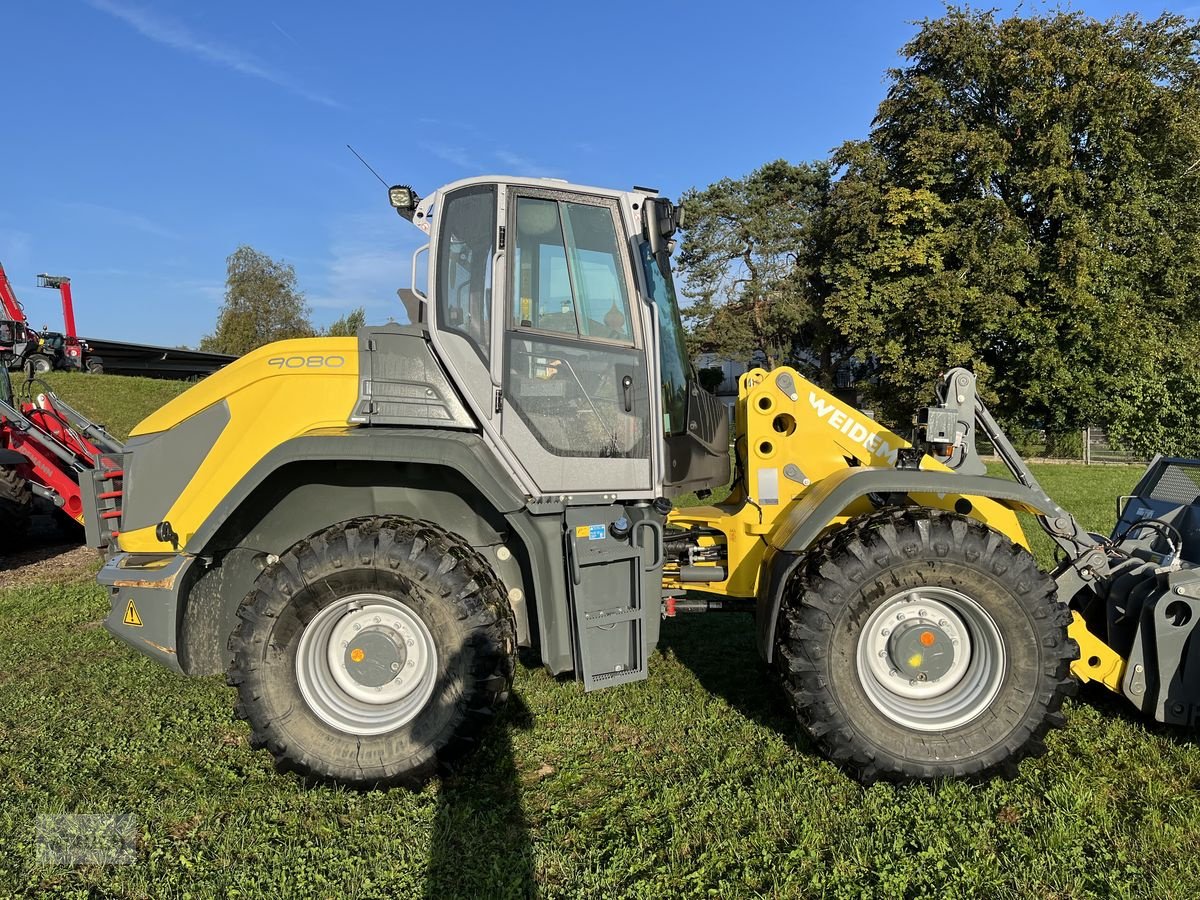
(458, 156)
(119, 218)
(14, 246)
(370, 257)
(280, 29)
(523, 165)
(178, 37)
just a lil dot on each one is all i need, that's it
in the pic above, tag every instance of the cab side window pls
(466, 245)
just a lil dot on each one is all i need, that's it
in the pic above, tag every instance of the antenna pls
(368, 165)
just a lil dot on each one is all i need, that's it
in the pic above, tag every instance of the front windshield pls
(672, 350)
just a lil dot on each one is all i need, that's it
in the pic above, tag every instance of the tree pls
(1028, 202)
(348, 325)
(753, 260)
(262, 304)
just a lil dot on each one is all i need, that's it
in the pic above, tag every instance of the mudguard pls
(799, 528)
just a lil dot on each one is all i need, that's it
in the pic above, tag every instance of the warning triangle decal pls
(131, 616)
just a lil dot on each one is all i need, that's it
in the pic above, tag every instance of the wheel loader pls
(361, 532)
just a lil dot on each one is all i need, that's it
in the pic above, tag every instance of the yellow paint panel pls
(1097, 661)
(785, 439)
(274, 394)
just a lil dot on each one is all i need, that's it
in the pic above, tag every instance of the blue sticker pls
(597, 533)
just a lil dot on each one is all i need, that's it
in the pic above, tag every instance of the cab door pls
(463, 271)
(576, 402)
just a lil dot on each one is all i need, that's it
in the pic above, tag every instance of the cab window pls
(466, 246)
(568, 273)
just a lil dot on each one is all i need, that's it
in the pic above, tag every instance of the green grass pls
(1089, 492)
(693, 783)
(118, 402)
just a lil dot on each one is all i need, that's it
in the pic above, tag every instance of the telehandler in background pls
(362, 531)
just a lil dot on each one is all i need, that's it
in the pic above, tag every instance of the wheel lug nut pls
(377, 620)
(395, 667)
(410, 642)
(883, 654)
(921, 613)
(885, 632)
(942, 623)
(410, 664)
(899, 616)
(357, 626)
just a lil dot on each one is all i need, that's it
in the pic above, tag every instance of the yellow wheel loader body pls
(273, 394)
(789, 435)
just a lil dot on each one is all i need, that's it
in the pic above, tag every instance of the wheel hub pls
(366, 664)
(921, 650)
(373, 658)
(930, 658)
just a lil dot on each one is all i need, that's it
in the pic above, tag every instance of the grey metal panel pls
(575, 474)
(154, 592)
(463, 451)
(476, 379)
(812, 513)
(542, 535)
(89, 488)
(607, 597)
(401, 383)
(158, 467)
(540, 531)
(826, 499)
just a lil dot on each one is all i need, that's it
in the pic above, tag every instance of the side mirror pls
(660, 220)
(414, 305)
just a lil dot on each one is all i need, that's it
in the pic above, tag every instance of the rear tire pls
(16, 507)
(94, 365)
(857, 635)
(326, 627)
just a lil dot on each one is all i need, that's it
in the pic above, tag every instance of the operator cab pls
(553, 308)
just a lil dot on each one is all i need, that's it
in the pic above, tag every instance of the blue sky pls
(142, 142)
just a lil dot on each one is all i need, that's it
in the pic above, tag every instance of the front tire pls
(16, 507)
(373, 653)
(38, 364)
(919, 644)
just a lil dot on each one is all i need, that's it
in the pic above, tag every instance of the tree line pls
(1027, 203)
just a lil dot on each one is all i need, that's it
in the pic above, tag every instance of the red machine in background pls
(23, 348)
(47, 450)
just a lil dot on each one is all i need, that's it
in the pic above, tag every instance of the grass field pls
(117, 402)
(693, 783)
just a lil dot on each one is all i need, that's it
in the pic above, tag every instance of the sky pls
(142, 142)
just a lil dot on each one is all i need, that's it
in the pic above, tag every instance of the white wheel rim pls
(366, 664)
(919, 691)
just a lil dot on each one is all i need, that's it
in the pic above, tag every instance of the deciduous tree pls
(1028, 202)
(262, 304)
(753, 261)
(348, 325)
